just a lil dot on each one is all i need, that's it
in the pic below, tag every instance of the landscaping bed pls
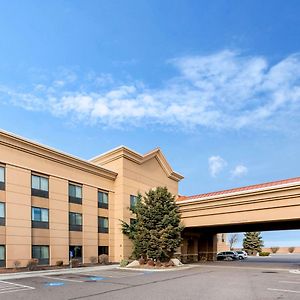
(151, 264)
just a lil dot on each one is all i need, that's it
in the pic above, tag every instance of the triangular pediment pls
(124, 152)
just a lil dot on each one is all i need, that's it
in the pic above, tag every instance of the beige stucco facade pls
(49, 203)
(118, 173)
(271, 206)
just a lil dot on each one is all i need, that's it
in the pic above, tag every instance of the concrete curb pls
(21, 275)
(184, 267)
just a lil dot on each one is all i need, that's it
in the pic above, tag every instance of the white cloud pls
(216, 164)
(239, 171)
(224, 90)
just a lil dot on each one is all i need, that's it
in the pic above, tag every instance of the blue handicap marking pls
(95, 278)
(55, 283)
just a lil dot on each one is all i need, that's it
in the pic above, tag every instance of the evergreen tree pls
(252, 242)
(156, 232)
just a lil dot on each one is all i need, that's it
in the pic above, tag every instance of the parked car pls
(242, 254)
(227, 255)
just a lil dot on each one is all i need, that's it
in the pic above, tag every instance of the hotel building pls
(54, 206)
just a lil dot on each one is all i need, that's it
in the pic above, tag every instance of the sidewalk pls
(19, 275)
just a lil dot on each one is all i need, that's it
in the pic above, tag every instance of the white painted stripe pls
(62, 279)
(286, 291)
(10, 288)
(296, 282)
(18, 290)
(16, 284)
(4, 286)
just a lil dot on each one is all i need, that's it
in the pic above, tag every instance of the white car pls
(242, 254)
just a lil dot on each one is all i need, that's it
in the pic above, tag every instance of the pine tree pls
(252, 242)
(156, 233)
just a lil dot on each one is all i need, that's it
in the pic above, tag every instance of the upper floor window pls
(41, 253)
(39, 186)
(133, 200)
(2, 178)
(102, 199)
(75, 221)
(75, 193)
(102, 224)
(40, 217)
(2, 256)
(2, 213)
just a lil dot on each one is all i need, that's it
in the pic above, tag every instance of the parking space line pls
(10, 287)
(295, 282)
(62, 279)
(3, 286)
(15, 290)
(282, 290)
(17, 285)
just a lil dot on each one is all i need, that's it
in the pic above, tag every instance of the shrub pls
(16, 264)
(264, 253)
(32, 264)
(141, 261)
(150, 262)
(93, 260)
(103, 259)
(74, 262)
(158, 264)
(291, 249)
(274, 249)
(167, 264)
(59, 263)
(123, 263)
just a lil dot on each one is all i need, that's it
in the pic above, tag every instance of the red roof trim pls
(240, 189)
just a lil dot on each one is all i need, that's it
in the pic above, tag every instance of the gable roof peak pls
(125, 152)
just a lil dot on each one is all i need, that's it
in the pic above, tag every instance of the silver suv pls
(242, 254)
(227, 255)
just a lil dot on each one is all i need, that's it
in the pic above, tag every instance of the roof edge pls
(125, 152)
(241, 190)
(39, 149)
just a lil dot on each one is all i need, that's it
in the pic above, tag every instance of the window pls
(103, 250)
(102, 199)
(41, 253)
(39, 186)
(2, 214)
(75, 221)
(75, 193)
(102, 225)
(2, 256)
(2, 178)
(39, 217)
(133, 200)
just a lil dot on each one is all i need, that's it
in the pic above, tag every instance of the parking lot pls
(218, 280)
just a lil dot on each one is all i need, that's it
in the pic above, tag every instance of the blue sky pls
(215, 84)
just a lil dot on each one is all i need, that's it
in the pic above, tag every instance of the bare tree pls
(233, 239)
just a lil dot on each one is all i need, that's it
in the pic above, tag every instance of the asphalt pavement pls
(247, 280)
